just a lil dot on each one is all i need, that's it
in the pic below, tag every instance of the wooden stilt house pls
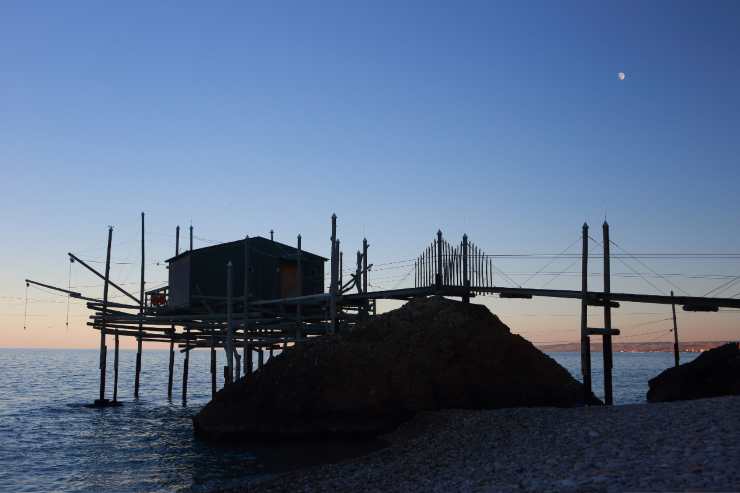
(198, 277)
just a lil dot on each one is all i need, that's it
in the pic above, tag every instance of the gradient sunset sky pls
(505, 120)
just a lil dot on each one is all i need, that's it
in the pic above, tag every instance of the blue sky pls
(505, 120)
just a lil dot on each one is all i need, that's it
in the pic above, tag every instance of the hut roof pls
(263, 245)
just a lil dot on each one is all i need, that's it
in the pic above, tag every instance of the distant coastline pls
(635, 347)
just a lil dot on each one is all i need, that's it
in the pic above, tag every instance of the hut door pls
(288, 278)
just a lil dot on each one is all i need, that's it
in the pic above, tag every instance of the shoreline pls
(655, 447)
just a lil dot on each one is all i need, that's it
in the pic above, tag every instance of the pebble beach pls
(678, 446)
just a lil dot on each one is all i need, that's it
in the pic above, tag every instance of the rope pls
(650, 269)
(551, 261)
(723, 286)
(558, 274)
(630, 267)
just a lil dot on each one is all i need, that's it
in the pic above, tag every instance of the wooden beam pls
(119, 288)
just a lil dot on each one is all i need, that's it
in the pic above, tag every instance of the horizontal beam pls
(602, 332)
(627, 297)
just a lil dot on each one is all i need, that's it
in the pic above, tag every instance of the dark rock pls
(714, 373)
(430, 354)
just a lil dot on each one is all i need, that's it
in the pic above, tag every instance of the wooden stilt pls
(102, 401)
(141, 315)
(365, 246)
(585, 342)
(675, 334)
(171, 368)
(247, 350)
(248, 366)
(299, 286)
(607, 337)
(333, 283)
(214, 365)
(115, 367)
(260, 358)
(185, 365)
(229, 377)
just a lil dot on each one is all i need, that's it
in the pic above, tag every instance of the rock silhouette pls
(714, 373)
(430, 354)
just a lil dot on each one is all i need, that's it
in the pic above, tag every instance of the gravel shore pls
(679, 446)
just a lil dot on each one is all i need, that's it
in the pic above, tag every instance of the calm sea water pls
(50, 442)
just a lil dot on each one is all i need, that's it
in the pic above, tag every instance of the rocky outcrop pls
(430, 354)
(714, 373)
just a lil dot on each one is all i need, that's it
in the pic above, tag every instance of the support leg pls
(138, 368)
(213, 370)
(115, 368)
(186, 363)
(171, 369)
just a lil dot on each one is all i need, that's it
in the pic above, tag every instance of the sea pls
(50, 440)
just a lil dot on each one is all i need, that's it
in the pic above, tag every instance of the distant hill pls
(635, 347)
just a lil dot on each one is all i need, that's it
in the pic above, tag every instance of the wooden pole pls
(103, 349)
(607, 337)
(115, 368)
(141, 315)
(299, 285)
(585, 342)
(247, 350)
(466, 277)
(171, 368)
(341, 265)
(249, 361)
(229, 325)
(214, 363)
(358, 272)
(186, 361)
(365, 246)
(191, 237)
(186, 367)
(675, 334)
(439, 259)
(333, 283)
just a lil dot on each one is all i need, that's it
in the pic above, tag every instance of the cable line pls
(551, 261)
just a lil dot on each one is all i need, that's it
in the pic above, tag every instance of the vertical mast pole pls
(229, 325)
(365, 246)
(299, 286)
(607, 337)
(103, 349)
(247, 349)
(141, 315)
(675, 334)
(585, 343)
(333, 284)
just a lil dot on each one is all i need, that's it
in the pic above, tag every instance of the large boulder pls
(714, 373)
(430, 354)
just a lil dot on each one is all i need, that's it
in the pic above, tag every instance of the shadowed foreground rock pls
(714, 373)
(430, 354)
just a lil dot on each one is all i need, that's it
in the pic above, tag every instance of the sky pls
(503, 120)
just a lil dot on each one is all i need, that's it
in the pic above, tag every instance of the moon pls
(621, 76)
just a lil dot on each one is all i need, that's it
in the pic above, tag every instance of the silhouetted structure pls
(204, 304)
